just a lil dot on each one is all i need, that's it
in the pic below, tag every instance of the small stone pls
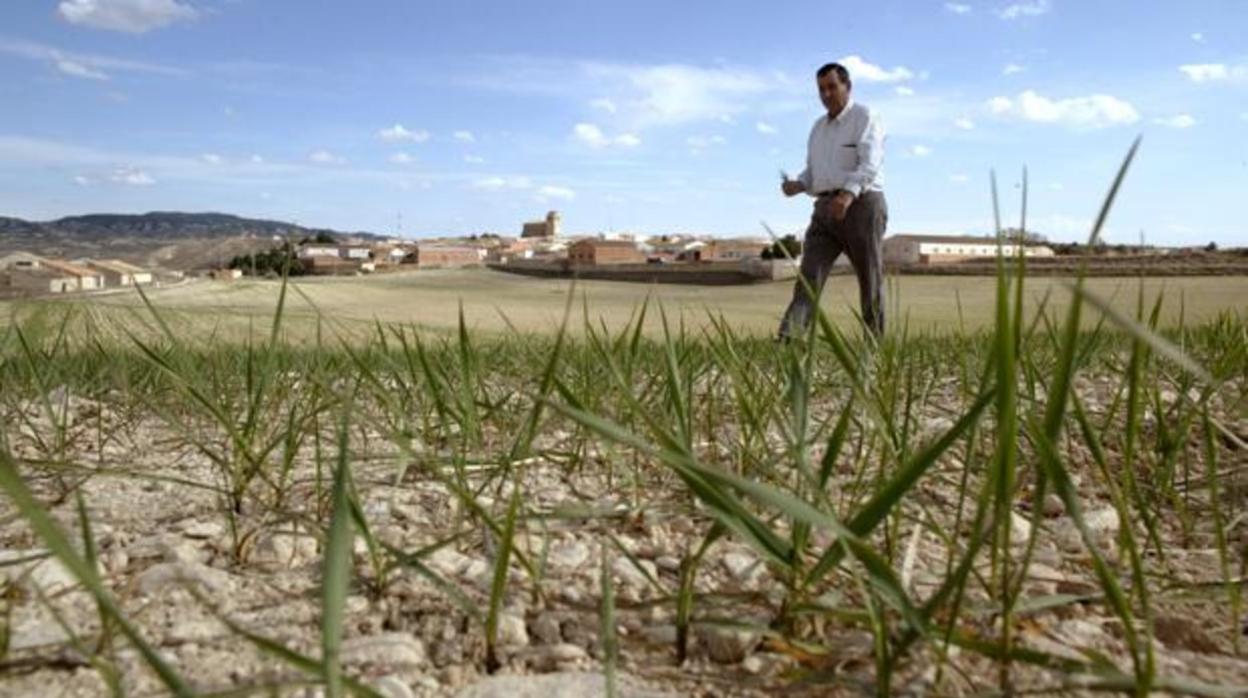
(1103, 521)
(393, 687)
(166, 575)
(386, 649)
(46, 573)
(937, 425)
(1075, 587)
(567, 556)
(668, 563)
(548, 657)
(449, 563)
(1053, 505)
(203, 530)
(1042, 580)
(545, 629)
(727, 645)
(32, 635)
(285, 549)
(740, 565)
(1179, 633)
(753, 664)
(1083, 633)
(452, 676)
(558, 685)
(1020, 529)
(629, 573)
(659, 634)
(511, 631)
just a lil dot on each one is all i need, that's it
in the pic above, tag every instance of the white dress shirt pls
(845, 152)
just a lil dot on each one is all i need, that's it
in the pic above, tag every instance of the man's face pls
(833, 93)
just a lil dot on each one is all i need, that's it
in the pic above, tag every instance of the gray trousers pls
(860, 236)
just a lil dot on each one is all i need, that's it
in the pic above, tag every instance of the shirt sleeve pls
(870, 156)
(805, 177)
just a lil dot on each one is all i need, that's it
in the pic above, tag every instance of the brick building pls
(447, 256)
(594, 252)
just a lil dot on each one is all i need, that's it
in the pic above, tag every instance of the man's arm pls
(870, 156)
(793, 187)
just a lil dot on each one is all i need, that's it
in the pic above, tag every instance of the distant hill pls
(168, 239)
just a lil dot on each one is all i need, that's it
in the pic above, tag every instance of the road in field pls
(493, 300)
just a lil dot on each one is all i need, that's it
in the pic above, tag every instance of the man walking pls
(843, 172)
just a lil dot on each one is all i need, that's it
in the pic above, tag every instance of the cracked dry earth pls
(179, 566)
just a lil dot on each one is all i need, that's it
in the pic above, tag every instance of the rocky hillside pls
(165, 239)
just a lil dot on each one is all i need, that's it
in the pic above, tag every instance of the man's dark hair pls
(841, 74)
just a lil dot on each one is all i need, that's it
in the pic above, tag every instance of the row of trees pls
(275, 261)
(778, 249)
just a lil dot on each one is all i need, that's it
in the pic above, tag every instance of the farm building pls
(432, 256)
(731, 250)
(316, 249)
(20, 260)
(356, 252)
(595, 252)
(940, 249)
(330, 265)
(38, 280)
(547, 228)
(88, 279)
(225, 274)
(119, 273)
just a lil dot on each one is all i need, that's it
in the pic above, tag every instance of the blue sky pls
(467, 117)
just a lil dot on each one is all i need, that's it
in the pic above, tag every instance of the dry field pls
(495, 302)
(656, 502)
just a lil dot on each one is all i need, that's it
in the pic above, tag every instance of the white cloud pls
(676, 94)
(496, 183)
(1057, 186)
(229, 112)
(474, 159)
(628, 140)
(959, 178)
(325, 157)
(861, 70)
(257, 160)
(702, 142)
(920, 151)
(903, 91)
(81, 64)
(211, 158)
(604, 104)
(397, 133)
(1214, 72)
(78, 70)
(402, 158)
(1243, 115)
(1198, 37)
(964, 123)
(1029, 8)
(957, 8)
(592, 136)
(1090, 112)
(1176, 121)
(1012, 68)
(81, 180)
(765, 128)
(133, 16)
(131, 175)
(464, 137)
(552, 192)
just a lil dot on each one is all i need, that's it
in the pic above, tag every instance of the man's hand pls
(792, 187)
(840, 205)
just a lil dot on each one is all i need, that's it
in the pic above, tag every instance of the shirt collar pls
(841, 114)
